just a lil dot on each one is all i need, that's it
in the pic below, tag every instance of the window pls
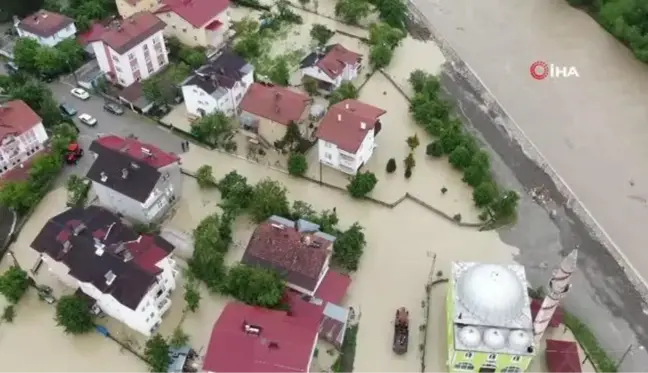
(184, 30)
(152, 313)
(195, 38)
(161, 60)
(137, 75)
(464, 366)
(328, 144)
(118, 69)
(149, 67)
(202, 93)
(468, 355)
(115, 58)
(174, 27)
(328, 156)
(238, 97)
(512, 369)
(131, 56)
(492, 357)
(121, 81)
(168, 15)
(515, 358)
(145, 47)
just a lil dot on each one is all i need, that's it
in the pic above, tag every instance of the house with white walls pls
(132, 49)
(219, 85)
(22, 135)
(48, 28)
(346, 136)
(331, 66)
(126, 275)
(203, 23)
(138, 180)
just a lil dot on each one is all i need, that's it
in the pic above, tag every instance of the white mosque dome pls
(519, 340)
(494, 339)
(470, 336)
(492, 293)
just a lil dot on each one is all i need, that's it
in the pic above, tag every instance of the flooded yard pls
(402, 244)
(34, 343)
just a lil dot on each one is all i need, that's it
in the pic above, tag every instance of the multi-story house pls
(219, 85)
(331, 66)
(48, 28)
(137, 180)
(129, 276)
(346, 136)
(21, 134)
(196, 22)
(268, 110)
(127, 8)
(132, 49)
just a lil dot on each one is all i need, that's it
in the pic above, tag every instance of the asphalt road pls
(124, 125)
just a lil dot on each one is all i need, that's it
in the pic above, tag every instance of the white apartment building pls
(219, 85)
(132, 49)
(21, 135)
(137, 180)
(48, 28)
(346, 136)
(128, 276)
(331, 66)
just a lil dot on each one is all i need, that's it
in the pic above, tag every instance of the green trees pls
(191, 295)
(352, 11)
(206, 263)
(35, 94)
(391, 165)
(37, 59)
(255, 286)
(205, 176)
(163, 88)
(311, 86)
(383, 39)
(235, 189)
(348, 247)
(268, 198)
(77, 188)
(392, 12)
(73, 314)
(14, 284)
(321, 34)
(156, 353)
(346, 90)
(297, 164)
(215, 129)
(433, 113)
(361, 184)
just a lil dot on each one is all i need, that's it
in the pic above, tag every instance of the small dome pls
(494, 339)
(519, 340)
(491, 293)
(470, 336)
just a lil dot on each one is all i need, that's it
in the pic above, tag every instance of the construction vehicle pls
(74, 152)
(401, 331)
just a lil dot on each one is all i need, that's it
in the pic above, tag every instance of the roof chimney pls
(110, 277)
(346, 106)
(134, 165)
(277, 226)
(104, 177)
(78, 229)
(363, 125)
(339, 117)
(306, 240)
(277, 96)
(251, 329)
(99, 247)
(124, 173)
(146, 151)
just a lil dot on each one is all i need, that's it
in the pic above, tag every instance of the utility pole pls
(625, 354)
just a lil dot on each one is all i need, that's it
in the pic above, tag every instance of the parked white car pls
(80, 93)
(88, 120)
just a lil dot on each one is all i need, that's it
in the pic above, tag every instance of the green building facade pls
(489, 322)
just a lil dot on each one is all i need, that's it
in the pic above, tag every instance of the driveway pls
(130, 123)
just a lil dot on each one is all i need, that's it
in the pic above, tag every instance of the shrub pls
(9, 313)
(460, 157)
(444, 190)
(348, 248)
(205, 177)
(73, 314)
(297, 164)
(409, 161)
(14, 284)
(413, 142)
(457, 218)
(361, 184)
(434, 149)
(408, 172)
(391, 165)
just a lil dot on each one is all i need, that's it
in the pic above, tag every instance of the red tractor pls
(74, 152)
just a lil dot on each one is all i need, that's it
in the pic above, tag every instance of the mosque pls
(490, 325)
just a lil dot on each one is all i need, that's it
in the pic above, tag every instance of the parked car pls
(88, 120)
(113, 108)
(80, 93)
(67, 109)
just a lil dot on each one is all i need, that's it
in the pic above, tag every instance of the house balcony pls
(164, 306)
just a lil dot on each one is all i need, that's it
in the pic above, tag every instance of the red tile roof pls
(337, 58)
(330, 329)
(122, 36)
(557, 317)
(562, 356)
(289, 252)
(45, 23)
(16, 117)
(133, 148)
(342, 124)
(196, 12)
(94, 32)
(284, 343)
(276, 103)
(334, 287)
(147, 254)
